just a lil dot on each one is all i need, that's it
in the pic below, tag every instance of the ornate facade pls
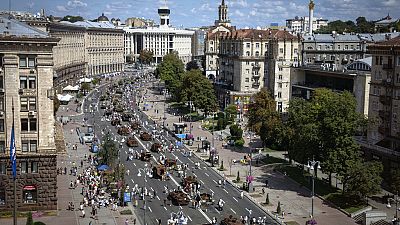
(26, 92)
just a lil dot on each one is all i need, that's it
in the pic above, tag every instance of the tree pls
(278, 208)
(231, 112)
(85, 87)
(198, 89)
(192, 65)
(364, 179)
(146, 57)
(236, 132)
(267, 199)
(238, 177)
(108, 151)
(29, 220)
(171, 71)
(72, 19)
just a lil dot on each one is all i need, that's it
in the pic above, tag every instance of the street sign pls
(127, 197)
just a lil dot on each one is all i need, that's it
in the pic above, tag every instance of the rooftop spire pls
(223, 2)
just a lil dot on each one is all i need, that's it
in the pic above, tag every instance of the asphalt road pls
(155, 209)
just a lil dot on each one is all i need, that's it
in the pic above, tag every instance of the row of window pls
(27, 125)
(25, 167)
(389, 60)
(27, 146)
(29, 195)
(27, 104)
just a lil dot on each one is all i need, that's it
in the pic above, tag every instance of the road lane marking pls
(233, 211)
(152, 188)
(180, 207)
(205, 216)
(191, 161)
(189, 218)
(215, 182)
(226, 191)
(134, 164)
(150, 209)
(132, 181)
(201, 181)
(165, 208)
(158, 198)
(217, 210)
(235, 199)
(207, 174)
(211, 190)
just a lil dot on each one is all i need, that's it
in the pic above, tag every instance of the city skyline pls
(243, 13)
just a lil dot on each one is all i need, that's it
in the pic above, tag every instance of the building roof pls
(393, 41)
(11, 27)
(158, 29)
(102, 18)
(89, 24)
(259, 34)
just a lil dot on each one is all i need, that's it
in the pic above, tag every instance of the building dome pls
(102, 18)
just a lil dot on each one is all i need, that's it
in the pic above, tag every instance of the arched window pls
(247, 53)
(212, 49)
(257, 53)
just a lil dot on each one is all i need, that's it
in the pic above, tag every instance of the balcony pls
(387, 66)
(385, 115)
(385, 100)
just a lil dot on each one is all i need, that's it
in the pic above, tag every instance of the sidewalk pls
(295, 200)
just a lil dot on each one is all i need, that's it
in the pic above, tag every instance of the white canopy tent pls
(85, 80)
(71, 88)
(64, 98)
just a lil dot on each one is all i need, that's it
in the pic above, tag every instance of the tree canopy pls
(192, 65)
(360, 26)
(171, 71)
(146, 57)
(72, 19)
(108, 151)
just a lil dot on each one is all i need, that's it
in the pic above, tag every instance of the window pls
(280, 77)
(32, 124)
(338, 47)
(24, 167)
(211, 49)
(29, 124)
(211, 62)
(247, 80)
(2, 147)
(247, 53)
(1, 125)
(247, 62)
(22, 61)
(29, 194)
(1, 81)
(398, 78)
(25, 146)
(23, 82)
(279, 94)
(2, 196)
(247, 71)
(279, 85)
(31, 62)
(247, 45)
(24, 125)
(295, 51)
(280, 69)
(34, 167)
(27, 61)
(346, 47)
(280, 50)
(3, 169)
(398, 61)
(257, 45)
(257, 53)
(32, 82)
(24, 104)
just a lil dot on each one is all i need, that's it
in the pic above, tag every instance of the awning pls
(85, 80)
(64, 98)
(71, 88)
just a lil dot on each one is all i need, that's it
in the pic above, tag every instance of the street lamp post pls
(144, 195)
(311, 165)
(165, 99)
(212, 142)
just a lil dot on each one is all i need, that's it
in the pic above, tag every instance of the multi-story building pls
(211, 51)
(198, 46)
(160, 40)
(69, 54)
(104, 47)
(246, 66)
(139, 22)
(26, 92)
(283, 54)
(300, 25)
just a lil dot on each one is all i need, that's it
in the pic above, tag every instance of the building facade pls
(300, 25)
(160, 40)
(211, 46)
(246, 65)
(26, 92)
(69, 54)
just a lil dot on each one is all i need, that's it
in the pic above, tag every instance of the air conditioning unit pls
(32, 113)
(1, 113)
(1, 90)
(32, 71)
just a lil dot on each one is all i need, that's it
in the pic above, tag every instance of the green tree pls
(108, 151)
(72, 19)
(192, 65)
(29, 220)
(198, 89)
(238, 177)
(236, 132)
(85, 87)
(146, 56)
(267, 199)
(171, 71)
(278, 208)
(231, 112)
(364, 179)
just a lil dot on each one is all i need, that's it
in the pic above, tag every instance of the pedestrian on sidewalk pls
(126, 221)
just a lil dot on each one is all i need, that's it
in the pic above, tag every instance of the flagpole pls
(14, 174)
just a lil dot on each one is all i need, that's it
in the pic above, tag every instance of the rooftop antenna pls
(9, 9)
(165, 3)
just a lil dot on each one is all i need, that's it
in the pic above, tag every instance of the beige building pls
(246, 64)
(69, 54)
(211, 47)
(26, 74)
(139, 22)
(384, 98)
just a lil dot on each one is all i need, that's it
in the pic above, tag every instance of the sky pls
(195, 13)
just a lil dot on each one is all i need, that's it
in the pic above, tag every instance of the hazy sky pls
(190, 13)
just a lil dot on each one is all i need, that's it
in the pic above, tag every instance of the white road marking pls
(207, 218)
(152, 188)
(132, 181)
(233, 211)
(158, 198)
(211, 190)
(189, 218)
(201, 181)
(226, 191)
(207, 174)
(215, 182)
(235, 199)
(165, 208)
(191, 161)
(134, 164)
(150, 209)
(180, 207)
(217, 210)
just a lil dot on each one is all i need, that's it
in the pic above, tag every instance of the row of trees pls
(188, 85)
(361, 25)
(321, 129)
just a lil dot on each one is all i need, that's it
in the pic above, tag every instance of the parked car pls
(88, 137)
